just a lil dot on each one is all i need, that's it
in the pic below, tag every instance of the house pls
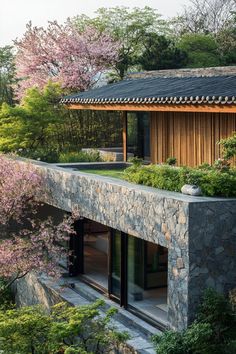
(180, 113)
(152, 251)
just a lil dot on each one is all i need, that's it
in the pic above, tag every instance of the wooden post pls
(124, 135)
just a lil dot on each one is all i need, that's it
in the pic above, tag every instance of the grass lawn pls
(116, 173)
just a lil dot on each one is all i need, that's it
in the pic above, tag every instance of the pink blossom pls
(63, 54)
(34, 245)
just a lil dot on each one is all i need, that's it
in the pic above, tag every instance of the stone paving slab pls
(139, 341)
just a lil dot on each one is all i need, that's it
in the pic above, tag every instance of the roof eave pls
(206, 107)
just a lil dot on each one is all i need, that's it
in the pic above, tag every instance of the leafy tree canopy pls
(130, 27)
(29, 125)
(161, 53)
(202, 50)
(7, 74)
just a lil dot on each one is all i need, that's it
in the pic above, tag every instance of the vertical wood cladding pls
(190, 137)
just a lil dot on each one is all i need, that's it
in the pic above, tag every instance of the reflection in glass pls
(138, 134)
(147, 277)
(96, 245)
(116, 263)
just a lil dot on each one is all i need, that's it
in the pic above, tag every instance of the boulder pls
(191, 189)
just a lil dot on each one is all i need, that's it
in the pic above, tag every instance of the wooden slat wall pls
(191, 137)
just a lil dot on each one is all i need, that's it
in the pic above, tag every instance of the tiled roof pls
(162, 90)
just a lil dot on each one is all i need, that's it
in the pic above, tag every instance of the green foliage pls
(169, 343)
(202, 50)
(114, 173)
(40, 128)
(136, 161)
(7, 74)
(65, 330)
(79, 156)
(197, 339)
(217, 310)
(11, 127)
(24, 330)
(221, 165)
(226, 39)
(213, 182)
(31, 125)
(131, 27)
(171, 161)
(193, 341)
(161, 53)
(213, 331)
(229, 147)
(41, 154)
(163, 177)
(6, 296)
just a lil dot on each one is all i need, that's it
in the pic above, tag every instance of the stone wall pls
(212, 248)
(199, 232)
(30, 290)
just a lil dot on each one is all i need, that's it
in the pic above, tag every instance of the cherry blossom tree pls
(26, 242)
(65, 54)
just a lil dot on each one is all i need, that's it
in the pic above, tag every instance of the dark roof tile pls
(193, 90)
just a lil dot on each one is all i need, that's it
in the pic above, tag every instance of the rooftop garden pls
(114, 173)
(217, 180)
(213, 180)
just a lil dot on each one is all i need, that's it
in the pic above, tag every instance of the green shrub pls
(66, 329)
(6, 295)
(136, 161)
(79, 156)
(194, 340)
(163, 177)
(50, 156)
(53, 156)
(213, 182)
(229, 147)
(222, 165)
(169, 342)
(217, 310)
(198, 339)
(171, 161)
(213, 331)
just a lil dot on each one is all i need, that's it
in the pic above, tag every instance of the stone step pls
(139, 331)
(76, 293)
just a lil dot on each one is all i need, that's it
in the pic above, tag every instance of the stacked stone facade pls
(199, 232)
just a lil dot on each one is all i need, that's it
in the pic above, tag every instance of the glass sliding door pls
(128, 269)
(147, 278)
(135, 266)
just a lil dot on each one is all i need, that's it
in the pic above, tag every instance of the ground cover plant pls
(213, 331)
(67, 329)
(115, 173)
